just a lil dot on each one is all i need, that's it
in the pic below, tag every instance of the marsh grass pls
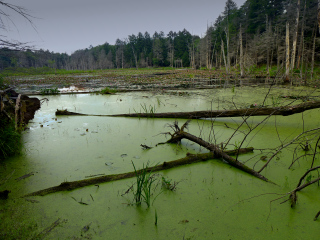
(168, 184)
(49, 91)
(148, 109)
(107, 90)
(145, 180)
(10, 139)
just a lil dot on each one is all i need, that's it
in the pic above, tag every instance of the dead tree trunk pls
(313, 53)
(295, 37)
(241, 54)
(287, 75)
(301, 35)
(224, 57)
(319, 14)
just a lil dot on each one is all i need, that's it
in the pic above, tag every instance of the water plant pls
(148, 109)
(144, 179)
(107, 90)
(237, 145)
(49, 91)
(275, 101)
(168, 184)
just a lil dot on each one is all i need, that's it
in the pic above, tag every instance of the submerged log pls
(255, 111)
(190, 158)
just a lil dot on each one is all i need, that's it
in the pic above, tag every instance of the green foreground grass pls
(10, 139)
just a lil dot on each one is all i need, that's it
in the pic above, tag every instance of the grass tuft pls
(107, 90)
(145, 179)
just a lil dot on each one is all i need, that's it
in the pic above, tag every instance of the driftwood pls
(190, 158)
(255, 111)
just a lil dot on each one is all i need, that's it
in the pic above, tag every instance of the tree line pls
(281, 33)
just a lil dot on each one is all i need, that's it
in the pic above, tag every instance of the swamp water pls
(212, 200)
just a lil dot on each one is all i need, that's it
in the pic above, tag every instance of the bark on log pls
(282, 111)
(190, 158)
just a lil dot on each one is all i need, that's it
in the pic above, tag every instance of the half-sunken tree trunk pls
(282, 111)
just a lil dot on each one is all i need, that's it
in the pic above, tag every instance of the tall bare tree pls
(241, 54)
(287, 77)
(295, 37)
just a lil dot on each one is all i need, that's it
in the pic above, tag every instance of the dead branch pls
(286, 145)
(316, 217)
(179, 135)
(293, 194)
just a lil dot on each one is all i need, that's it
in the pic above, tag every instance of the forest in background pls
(259, 33)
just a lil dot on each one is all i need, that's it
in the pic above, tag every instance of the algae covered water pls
(212, 200)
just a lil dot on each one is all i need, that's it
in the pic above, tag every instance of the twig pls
(46, 231)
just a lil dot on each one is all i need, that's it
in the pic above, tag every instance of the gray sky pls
(69, 25)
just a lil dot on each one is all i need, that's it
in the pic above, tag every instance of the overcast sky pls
(69, 25)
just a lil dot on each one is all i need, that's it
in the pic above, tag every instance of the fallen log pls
(255, 111)
(190, 158)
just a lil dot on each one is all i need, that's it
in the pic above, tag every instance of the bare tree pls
(241, 54)
(295, 37)
(319, 14)
(287, 77)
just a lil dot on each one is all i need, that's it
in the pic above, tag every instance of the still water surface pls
(212, 199)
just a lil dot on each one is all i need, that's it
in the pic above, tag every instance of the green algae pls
(212, 201)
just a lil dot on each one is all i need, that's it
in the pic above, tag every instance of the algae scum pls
(211, 201)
